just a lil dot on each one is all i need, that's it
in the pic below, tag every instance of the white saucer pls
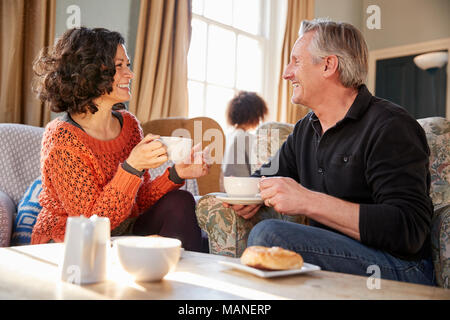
(239, 200)
(269, 274)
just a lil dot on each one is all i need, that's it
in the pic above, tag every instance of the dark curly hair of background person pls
(246, 108)
(78, 69)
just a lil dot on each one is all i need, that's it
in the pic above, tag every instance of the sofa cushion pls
(27, 213)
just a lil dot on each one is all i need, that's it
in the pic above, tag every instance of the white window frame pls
(271, 33)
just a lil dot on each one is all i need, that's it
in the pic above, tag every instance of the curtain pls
(26, 26)
(297, 11)
(159, 88)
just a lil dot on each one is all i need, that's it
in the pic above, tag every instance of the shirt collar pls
(358, 107)
(360, 104)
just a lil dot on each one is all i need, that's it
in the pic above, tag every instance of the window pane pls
(197, 51)
(217, 99)
(219, 10)
(247, 15)
(221, 56)
(249, 64)
(197, 6)
(195, 98)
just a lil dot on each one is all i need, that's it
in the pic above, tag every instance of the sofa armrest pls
(7, 210)
(440, 245)
(227, 232)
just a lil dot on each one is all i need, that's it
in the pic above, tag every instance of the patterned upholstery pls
(270, 137)
(437, 131)
(7, 210)
(440, 245)
(438, 137)
(228, 233)
(19, 150)
(20, 165)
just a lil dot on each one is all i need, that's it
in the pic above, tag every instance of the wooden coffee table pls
(31, 272)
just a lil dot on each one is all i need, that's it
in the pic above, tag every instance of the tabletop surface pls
(31, 272)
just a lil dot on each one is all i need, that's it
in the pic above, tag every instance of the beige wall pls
(408, 21)
(402, 21)
(350, 11)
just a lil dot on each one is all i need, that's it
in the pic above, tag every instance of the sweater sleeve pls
(72, 178)
(153, 190)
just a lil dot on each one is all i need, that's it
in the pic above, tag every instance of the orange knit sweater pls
(84, 176)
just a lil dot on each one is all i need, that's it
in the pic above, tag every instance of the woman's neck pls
(245, 127)
(101, 125)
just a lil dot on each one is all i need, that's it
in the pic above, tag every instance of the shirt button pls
(320, 170)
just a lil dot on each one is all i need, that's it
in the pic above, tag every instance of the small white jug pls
(86, 250)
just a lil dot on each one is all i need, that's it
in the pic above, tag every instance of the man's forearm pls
(335, 213)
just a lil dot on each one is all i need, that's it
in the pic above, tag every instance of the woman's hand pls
(195, 165)
(148, 154)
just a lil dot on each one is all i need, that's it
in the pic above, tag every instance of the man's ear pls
(331, 64)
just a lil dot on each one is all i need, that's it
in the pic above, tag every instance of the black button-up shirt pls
(377, 156)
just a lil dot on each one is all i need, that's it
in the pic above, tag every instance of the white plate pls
(239, 200)
(269, 274)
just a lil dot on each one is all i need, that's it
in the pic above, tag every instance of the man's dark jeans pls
(335, 252)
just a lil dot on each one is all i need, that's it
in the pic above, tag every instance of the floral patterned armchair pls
(228, 233)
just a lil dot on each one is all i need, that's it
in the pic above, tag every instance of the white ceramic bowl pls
(178, 148)
(148, 258)
(241, 186)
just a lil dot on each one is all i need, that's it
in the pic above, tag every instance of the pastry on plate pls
(271, 258)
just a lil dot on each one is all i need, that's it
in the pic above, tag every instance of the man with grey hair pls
(356, 166)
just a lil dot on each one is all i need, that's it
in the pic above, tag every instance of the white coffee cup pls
(241, 186)
(178, 149)
(148, 258)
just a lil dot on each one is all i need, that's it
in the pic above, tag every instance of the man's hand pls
(291, 198)
(285, 195)
(245, 212)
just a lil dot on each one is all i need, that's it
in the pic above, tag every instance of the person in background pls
(94, 158)
(244, 113)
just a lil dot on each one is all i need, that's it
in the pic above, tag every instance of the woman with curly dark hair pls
(244, 113)
(94, 158)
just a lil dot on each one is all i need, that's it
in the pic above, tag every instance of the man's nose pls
(287, 74)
